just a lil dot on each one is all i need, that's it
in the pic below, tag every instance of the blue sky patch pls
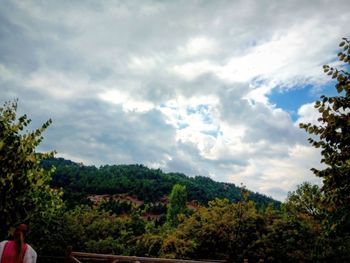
(291, 100)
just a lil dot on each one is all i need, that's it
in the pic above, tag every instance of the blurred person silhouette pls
(17, 250)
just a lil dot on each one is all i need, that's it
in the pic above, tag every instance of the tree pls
(223, 230)
(24, 184)
(289, 239)
(332, 135)
(305, 200)
(177, 204)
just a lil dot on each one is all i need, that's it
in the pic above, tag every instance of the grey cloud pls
(278, 193)
(263, 122)
(182, 165)
(112, 136)
(16, 48)
(86, 49)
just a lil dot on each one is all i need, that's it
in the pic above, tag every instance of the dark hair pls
(19, 237)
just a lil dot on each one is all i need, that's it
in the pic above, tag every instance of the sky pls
(211, 88)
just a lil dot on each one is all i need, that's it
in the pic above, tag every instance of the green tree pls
(223, 230)
(332, 135)
(306, 199)
(289, 239)
(24, 184)
(177, 204)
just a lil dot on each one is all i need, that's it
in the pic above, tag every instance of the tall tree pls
(305, 199)
(332, 135)
(177, 204)
(24, 184)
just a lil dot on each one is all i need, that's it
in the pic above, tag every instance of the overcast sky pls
(214, 88)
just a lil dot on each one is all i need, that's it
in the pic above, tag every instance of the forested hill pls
(148, 185)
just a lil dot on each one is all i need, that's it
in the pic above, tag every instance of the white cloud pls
(192, 70)
(308, 114)
(259, 94)
(199, 45)
(179, 85)
(59, 85)
(127, 102)
(277, 176)
(143, 64)
(280, 60)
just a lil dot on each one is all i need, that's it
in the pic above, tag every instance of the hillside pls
(142, 183)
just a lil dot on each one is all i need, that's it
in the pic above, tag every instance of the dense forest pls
(146, 185)
(174, 216)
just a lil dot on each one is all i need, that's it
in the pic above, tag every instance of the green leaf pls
(339, 88)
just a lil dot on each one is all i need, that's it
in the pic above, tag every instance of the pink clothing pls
(9, 253)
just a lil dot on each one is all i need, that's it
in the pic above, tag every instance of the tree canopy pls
(177, 204)
(332, 136)
(24, 184)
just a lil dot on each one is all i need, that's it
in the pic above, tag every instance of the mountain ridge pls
(146, 184)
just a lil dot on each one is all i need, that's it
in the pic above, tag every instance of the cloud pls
(142, 64)
(183, 86)
(279, 175)
(126, 101)
(308, 114)
(192, 70)
(199, 45)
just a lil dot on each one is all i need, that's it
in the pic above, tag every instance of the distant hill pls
(145, 184)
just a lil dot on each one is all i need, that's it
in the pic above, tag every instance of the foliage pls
(177, 204)
(222, 230)
(293, 234)
(289, 240)
(88, 230)
(48, 235)
(116, 206)
(333, 137)
(148, 185)
(305, 199)
(24, 184)
(174, 247)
